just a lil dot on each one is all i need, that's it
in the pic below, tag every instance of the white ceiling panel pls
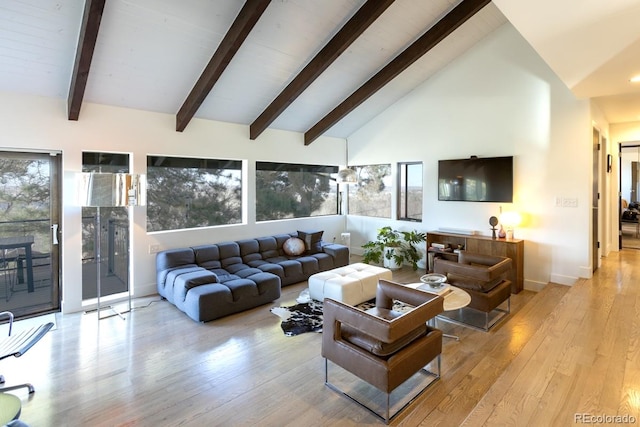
(285, 39)
(483, 23)
(37, 45)
(150, 53)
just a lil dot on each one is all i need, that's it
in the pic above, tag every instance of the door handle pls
(54, 233)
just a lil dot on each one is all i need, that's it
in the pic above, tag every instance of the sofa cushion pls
(187, 281)
(229, 254)
(327, 262)
(171, 259)
(294, 246)
(268, 247)
(309, 264)
(207, 256)
(242, 288)
(312, 241)
(291, 267)
(249, 250)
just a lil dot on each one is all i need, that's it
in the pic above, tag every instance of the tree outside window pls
(192, 192)
(410, 191)
(285, 190)
(371, 196)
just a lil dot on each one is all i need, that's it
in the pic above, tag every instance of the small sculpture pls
(493, 221)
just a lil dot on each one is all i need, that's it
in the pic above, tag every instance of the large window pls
(410, 191)
(285, 190)
(371, 196)
(190, 192)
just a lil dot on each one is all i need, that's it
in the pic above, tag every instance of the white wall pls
(34, 123)
(499, 99)
(625, 132)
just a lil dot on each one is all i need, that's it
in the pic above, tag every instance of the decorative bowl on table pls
(434, 280)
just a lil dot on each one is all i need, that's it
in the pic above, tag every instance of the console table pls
(510, 248)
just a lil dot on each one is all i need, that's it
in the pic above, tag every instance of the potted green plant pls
(393, 248)
(414, 250)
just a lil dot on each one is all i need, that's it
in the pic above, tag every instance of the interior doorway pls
(595, 201)
(629, 190)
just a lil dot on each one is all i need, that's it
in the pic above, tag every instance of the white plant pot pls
(391, 264)
(422, 262)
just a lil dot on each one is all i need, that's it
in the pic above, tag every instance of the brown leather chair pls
(484, 278)
(381, 346)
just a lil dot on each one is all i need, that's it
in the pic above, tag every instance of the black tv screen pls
(476, 179)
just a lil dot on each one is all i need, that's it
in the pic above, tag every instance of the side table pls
(454, 299)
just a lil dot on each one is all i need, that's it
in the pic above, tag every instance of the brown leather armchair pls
(381, 346)
(484, 278)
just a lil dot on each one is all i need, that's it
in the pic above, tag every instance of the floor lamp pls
(110, 190)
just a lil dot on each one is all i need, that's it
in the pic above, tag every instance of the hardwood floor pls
(563, 351)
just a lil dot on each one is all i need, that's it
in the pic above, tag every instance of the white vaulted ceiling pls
(592, 45)
(150, 53)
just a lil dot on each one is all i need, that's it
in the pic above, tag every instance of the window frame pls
(403, 176)
(354, 189)
(202, 164)
(269, 166)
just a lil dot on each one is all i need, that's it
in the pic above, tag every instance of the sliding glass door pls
(29, 233)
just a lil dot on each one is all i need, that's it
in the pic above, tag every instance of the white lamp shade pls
(510, 219)
(111, 189)
(346, 176)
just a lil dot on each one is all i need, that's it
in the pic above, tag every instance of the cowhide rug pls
(307, 317)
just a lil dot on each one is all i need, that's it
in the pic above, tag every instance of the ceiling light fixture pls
(635, 79)
(347, 175)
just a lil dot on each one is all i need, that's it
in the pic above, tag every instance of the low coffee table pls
(351, 284)
(454, 299)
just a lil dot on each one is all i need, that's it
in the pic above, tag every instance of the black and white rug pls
(300, 318)
(307, 316)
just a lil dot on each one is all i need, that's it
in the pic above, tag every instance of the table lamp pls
(510, 220)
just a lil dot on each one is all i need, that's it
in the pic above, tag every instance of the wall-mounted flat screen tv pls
(476, 179)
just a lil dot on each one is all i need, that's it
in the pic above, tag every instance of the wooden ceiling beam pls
(84, 54)
(358, 23)
(240, 29)
(434, 35)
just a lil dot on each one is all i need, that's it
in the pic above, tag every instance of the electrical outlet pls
(558, 202)
(154, 249)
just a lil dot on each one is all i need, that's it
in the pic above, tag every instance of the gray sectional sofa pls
(210, 281)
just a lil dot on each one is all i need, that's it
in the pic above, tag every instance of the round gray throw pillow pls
(293, 246)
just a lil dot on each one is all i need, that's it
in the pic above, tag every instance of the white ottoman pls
(352, 284)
